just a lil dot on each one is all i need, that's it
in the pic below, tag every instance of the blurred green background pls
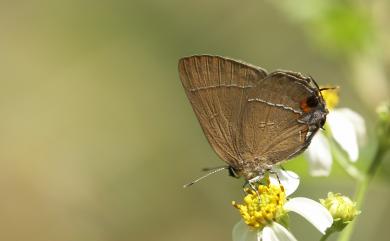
(97, 136)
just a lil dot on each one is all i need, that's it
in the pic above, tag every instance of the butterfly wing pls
(271, 128)
(216, 88)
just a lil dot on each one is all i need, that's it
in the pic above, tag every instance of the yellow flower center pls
(331, 97)
(258, 213)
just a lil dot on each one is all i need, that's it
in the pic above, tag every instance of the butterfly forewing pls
(216, 88)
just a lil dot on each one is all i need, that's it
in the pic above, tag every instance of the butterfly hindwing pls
(271, 130)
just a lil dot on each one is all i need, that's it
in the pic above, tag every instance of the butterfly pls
(252, 119)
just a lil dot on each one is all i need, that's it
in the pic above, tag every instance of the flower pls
(265, 209)
(346, 127)
(342, 209)
(258, 213)
(331, 97)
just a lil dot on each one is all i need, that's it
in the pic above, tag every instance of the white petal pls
(276, 232)
(319, 156)
(357, 122)
(289, 179)
(312, 211)
(241, 232)
(344, 133)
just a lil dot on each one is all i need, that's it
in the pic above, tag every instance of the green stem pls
(359, 197)
(346, 164)
(361, 191)
(326, 236)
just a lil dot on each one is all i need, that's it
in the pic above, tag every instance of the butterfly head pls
(315, 110)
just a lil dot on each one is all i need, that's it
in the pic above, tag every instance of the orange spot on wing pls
(304, 106)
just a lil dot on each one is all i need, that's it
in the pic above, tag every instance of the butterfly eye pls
(312, 101)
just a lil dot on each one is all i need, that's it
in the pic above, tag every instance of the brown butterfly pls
(252, 119)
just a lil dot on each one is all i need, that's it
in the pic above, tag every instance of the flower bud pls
(342, 209)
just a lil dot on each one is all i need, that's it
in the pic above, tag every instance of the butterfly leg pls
(276, 174)
(253, 184)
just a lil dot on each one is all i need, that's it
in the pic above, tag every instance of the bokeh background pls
(97, 136)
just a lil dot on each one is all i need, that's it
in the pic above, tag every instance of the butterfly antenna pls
(329, 88)
(204, 176)
(206, 169)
